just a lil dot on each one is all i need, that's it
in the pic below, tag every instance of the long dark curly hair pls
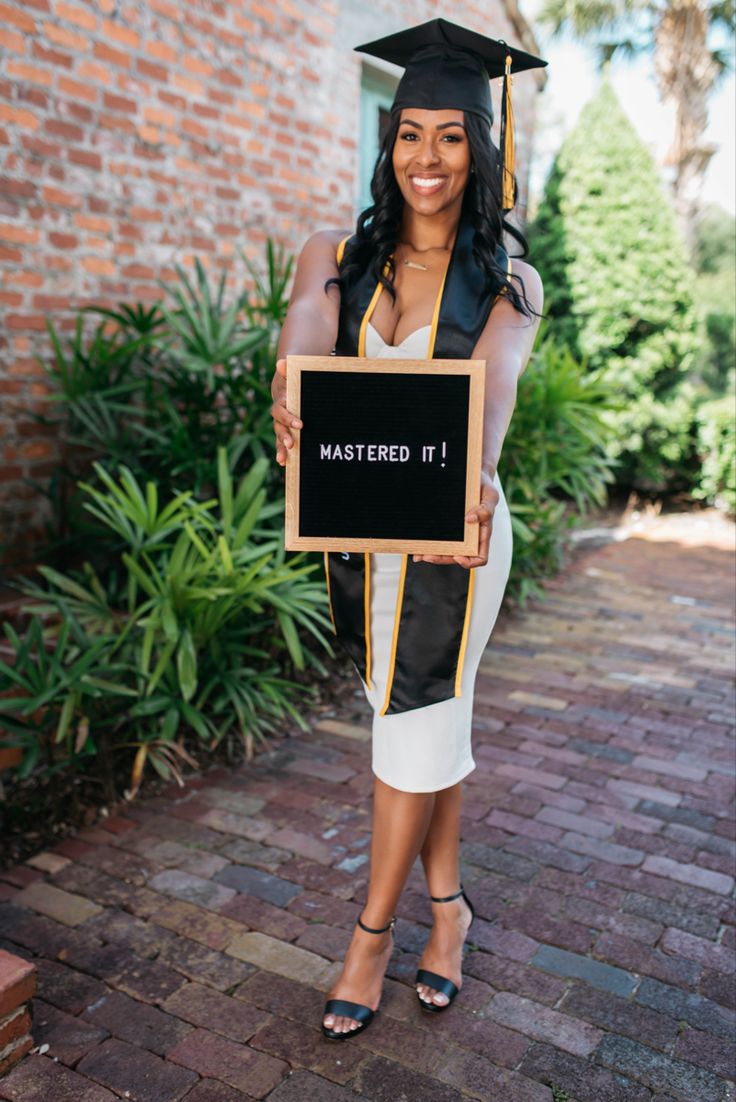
(379, 225)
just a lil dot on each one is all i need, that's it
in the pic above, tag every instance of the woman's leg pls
(441, 860)
(400, 822)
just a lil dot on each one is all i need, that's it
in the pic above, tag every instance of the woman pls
(425, 274)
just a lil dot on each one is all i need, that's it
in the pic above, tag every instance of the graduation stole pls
(434, 601)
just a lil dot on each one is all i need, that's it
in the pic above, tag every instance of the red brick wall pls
(17, 985)
(136, 135)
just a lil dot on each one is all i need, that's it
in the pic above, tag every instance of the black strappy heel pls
(357, 1011)
(433, 979)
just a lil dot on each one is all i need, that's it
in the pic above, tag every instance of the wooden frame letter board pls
(389, 458)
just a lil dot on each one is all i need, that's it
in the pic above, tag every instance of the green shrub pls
(160, 389)
(554, 464)
(716, 443)
(715, 293)
(661, 455)
(195, 638)
(57, 680)
(619, 286)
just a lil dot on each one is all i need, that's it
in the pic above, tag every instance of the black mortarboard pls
(448, 66)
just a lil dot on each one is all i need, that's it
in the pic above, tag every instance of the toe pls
(439, 998)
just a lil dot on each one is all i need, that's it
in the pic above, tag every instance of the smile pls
(427, 184)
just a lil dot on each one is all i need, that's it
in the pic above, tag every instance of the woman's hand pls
(481, 514)
(283, 420)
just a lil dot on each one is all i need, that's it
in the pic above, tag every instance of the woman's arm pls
(310, 326)
(505, 344)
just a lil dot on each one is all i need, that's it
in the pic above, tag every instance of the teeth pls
(427, 183)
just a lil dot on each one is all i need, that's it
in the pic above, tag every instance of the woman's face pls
(431, 158)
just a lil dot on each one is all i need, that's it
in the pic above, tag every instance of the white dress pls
(427, 749)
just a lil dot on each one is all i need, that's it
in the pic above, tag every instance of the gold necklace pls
(421, 267)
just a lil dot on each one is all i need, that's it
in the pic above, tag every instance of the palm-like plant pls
(271, 297)
(211, 618)
(91, 366)
(95, 379)
(686, 64)
(159, 388)
(56, 682)
(205, 333)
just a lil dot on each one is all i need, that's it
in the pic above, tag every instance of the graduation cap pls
(450, 66)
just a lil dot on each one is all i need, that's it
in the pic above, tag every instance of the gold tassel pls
(507, 140)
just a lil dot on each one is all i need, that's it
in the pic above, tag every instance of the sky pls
(572, 80)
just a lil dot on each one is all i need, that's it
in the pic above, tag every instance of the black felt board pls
(418, 496)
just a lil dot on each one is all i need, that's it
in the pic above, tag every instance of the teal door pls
(376, 97)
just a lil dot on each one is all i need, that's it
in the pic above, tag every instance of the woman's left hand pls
(481, 514)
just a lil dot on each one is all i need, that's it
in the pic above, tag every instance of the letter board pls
(389, 456)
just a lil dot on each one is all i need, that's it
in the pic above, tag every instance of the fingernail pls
(296, 424)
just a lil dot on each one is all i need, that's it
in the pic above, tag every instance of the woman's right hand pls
(283, 420)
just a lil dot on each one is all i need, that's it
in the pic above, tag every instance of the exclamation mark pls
(444, 452)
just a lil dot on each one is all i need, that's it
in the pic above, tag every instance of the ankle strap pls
(370, 930)
(446, 898)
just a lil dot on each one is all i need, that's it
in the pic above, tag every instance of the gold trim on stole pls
(329, 593)
(367, 318)
(466, 628)
(367, 608)
(395, 638)
(341, 249)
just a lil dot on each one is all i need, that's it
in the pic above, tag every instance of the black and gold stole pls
(434, 601)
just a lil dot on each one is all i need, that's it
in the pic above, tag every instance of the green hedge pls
(716, 443)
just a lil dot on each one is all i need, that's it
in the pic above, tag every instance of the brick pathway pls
(184, 952)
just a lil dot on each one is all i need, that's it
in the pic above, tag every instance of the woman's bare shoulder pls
(321, 248)
(330, 238)
(532, 281)
(523, 268)
(317, 263)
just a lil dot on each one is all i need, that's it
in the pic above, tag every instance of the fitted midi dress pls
(430, 748)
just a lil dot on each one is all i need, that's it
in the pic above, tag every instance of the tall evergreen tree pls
(617, 283)
(681, 36)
